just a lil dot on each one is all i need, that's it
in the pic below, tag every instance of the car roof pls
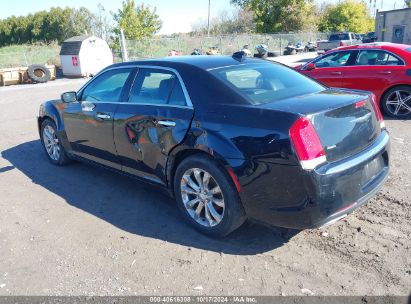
(376, 45)
(205, 62)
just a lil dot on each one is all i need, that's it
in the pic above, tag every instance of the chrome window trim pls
(359, 51)
(189, 103)
(379, 65)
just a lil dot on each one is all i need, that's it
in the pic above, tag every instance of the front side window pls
(374, 57)
(337, 59)
(107, 87)
(157, 87)
(266, 82)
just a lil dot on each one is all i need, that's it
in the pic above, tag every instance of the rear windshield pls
(266, 82)
(334, 37)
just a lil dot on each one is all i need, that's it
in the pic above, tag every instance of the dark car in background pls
(230, 138)
(369, 37)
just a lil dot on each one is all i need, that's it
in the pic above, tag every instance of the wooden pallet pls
(10, 76)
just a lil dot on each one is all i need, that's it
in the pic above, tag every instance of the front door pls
(89, 122)
(330, 68)
(155, 119)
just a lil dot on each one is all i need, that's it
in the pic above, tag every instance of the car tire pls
(38, 73)
(51, 142)
(225, 211)
(392, 106)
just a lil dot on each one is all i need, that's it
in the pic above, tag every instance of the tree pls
(407, 3)
(347, 15)
(241, 21)
(280, 15)
(46, 27)
(137, 21)
(103, 23)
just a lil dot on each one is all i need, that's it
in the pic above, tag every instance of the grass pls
(25, 55)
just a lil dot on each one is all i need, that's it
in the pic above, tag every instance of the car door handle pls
(385, 72)
(166, 123)
(336, 73)
(103, 116)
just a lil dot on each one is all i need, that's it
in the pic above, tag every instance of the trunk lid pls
(346, 122)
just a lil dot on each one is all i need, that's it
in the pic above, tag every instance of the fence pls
(227, 44)
(18, 56)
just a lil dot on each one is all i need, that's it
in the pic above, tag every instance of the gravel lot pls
(80, 230)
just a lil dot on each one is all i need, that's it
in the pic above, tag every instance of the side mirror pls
(310, 66)
(69, 97)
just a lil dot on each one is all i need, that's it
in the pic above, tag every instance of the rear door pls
(373, 70)
(89, 122)
(155, 118)
(330, 68)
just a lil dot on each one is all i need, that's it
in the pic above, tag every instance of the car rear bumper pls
(333, 190)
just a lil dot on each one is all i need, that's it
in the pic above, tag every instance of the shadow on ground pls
(131, 205)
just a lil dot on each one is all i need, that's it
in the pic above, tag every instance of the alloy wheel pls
(399, 103)
(51, 142)
(202, 197)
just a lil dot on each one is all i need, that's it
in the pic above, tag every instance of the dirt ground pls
(80, 230)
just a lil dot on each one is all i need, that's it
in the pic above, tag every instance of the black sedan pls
(229, 138)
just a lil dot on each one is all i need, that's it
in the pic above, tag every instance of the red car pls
(382, 68)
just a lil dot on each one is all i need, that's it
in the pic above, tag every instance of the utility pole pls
(123, 46)
(208, 22)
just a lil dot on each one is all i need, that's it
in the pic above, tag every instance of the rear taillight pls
(307, 144)
(341, 43)
(377, 109)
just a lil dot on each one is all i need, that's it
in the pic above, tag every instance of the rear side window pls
(266, 82)
(374, 57)
(157, 87)
(107, 87)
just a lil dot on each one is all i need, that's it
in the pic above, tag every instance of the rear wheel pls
(207, 196)
(397, 102)
(52, 143)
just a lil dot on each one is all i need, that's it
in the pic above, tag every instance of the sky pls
(177, 15)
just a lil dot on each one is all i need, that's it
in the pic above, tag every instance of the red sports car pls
(382, 68)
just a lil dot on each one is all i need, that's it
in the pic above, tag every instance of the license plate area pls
(372, 169)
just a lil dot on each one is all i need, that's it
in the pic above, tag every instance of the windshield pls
(334, 37)
(266, 82)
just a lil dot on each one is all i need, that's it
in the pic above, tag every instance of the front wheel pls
(207, 196)
(52, 143)
(397, 102)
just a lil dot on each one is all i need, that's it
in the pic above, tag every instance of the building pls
(394, 26)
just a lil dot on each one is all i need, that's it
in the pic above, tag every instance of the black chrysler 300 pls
(230, 138)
